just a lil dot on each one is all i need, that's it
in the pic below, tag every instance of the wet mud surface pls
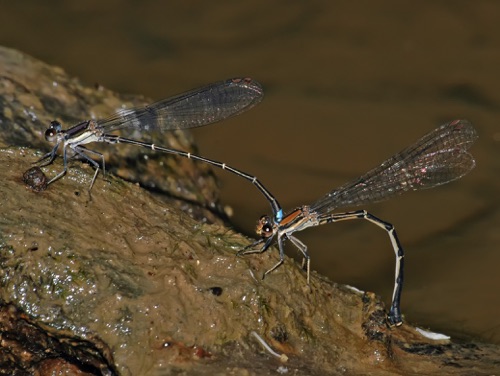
(142, 285)
(347, 84)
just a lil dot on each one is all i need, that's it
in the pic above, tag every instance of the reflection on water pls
(346, 86)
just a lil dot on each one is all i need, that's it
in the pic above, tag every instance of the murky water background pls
(347, 85)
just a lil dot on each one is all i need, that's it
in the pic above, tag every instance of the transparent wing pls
(195, 108)
(437, 158)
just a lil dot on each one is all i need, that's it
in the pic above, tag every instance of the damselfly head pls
(265, 228)
(52, 131)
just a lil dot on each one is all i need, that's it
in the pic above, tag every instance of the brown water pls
(347, 85)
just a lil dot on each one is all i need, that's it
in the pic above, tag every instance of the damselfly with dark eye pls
(196, 108)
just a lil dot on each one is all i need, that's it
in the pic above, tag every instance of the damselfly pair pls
(437, 158)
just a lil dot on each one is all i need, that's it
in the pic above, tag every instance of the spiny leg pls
(82, 153)
(301, 246)
(249, 248)
(51, 155)
(267, 242)
(395, 310)
(303, 249)
(282, 255)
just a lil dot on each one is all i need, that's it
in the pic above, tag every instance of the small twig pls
(264, 344)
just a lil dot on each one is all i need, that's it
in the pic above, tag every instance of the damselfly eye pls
(50, 135)
(54, 124)
(264, 227)
(52, 131)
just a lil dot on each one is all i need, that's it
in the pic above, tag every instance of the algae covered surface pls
(150, 284)
(158, 287)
